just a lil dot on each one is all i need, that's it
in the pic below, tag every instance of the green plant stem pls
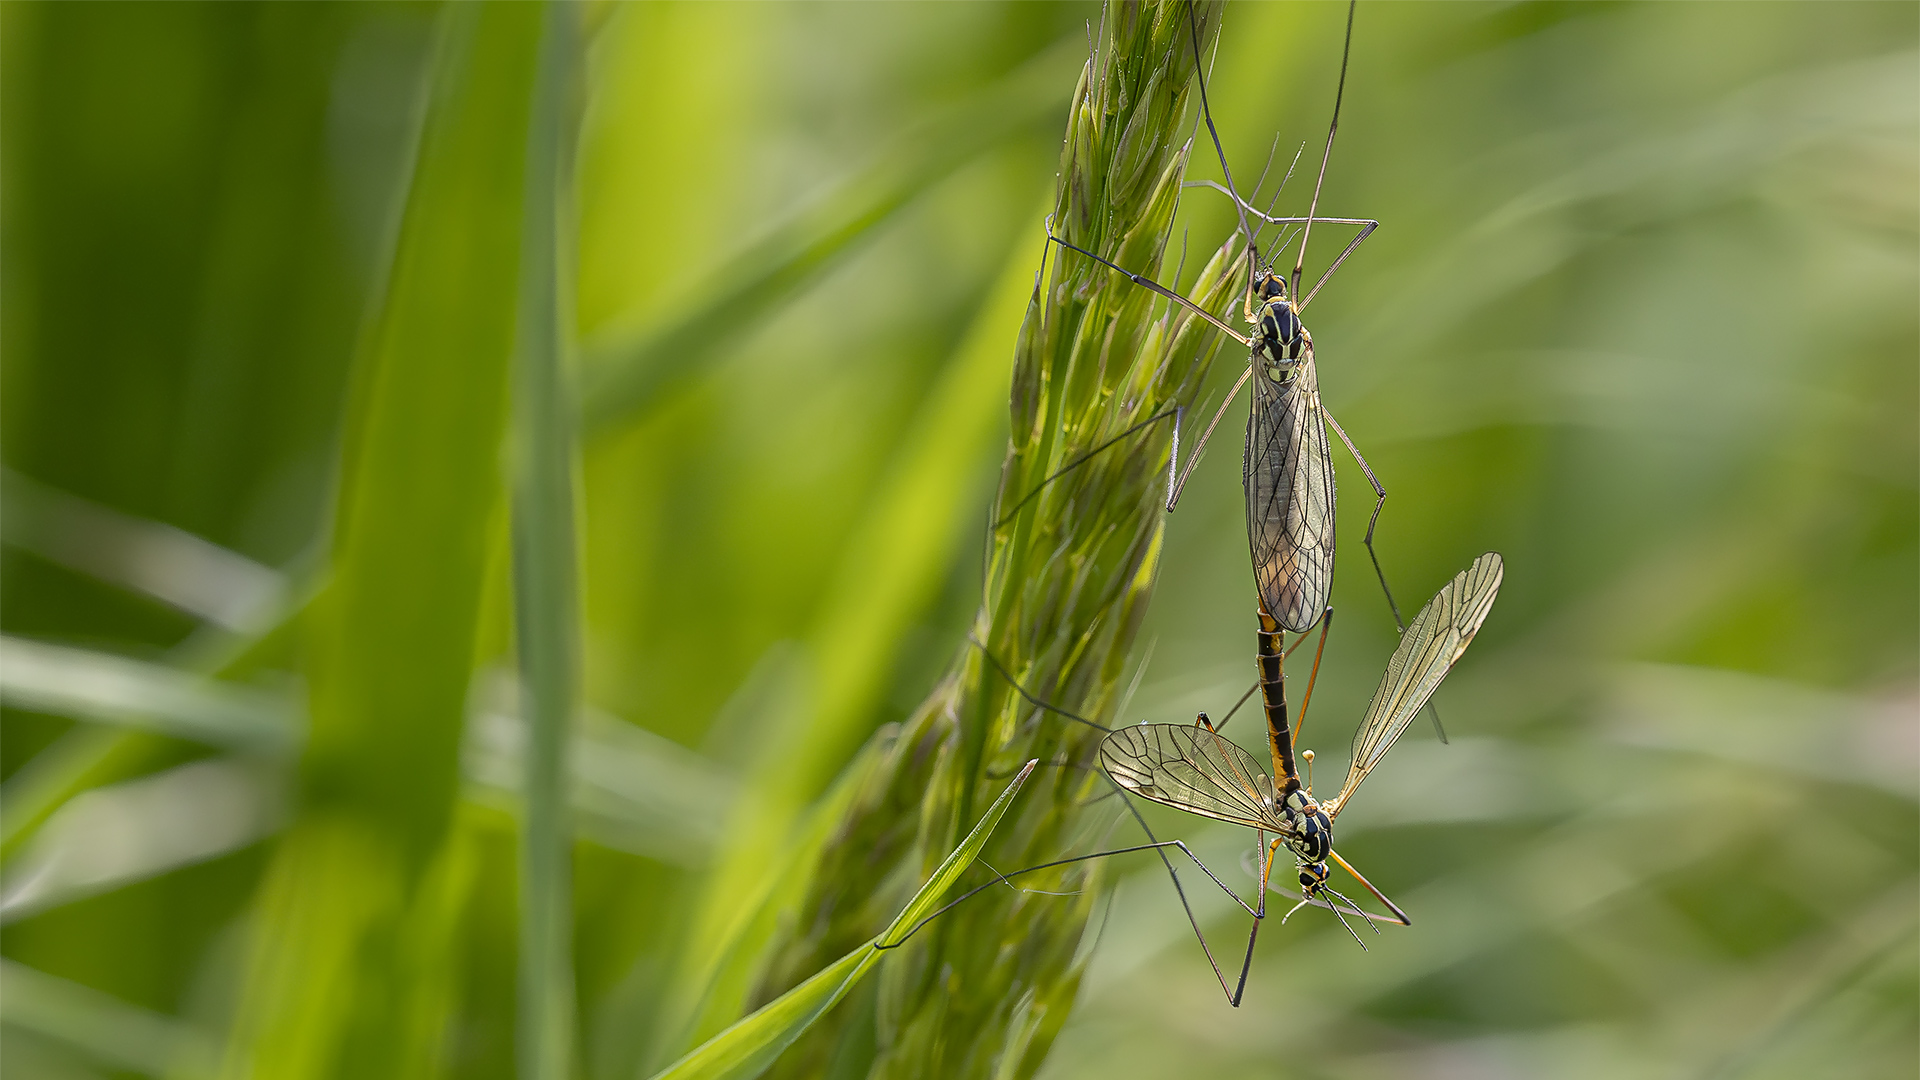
(545, 578)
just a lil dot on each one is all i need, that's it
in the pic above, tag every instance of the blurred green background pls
(1641, 316)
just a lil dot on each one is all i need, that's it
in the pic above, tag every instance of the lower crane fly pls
(1192, 767)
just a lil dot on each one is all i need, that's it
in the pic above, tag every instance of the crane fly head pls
(1313, 877)
(1270, 285)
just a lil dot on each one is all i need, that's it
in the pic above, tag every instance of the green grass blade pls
(139, 701)
(719, 992)
(134, 693)
(749, 1047)
(103, 1027)
(929, 895)
(391, 642)
(174, 566)
(74, 762)
(545, 578)
(629, 789)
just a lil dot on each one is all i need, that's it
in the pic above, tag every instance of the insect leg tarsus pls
(1159, 846)
(1173, 413)
(1313, 675)
(1399, 916)
(1369, 224)
(1022, 691)
(1236, 707)
(1193, 456)
(1148, 283)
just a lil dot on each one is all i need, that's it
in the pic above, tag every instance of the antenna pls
(1314, 207)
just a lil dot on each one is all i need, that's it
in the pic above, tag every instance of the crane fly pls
(1286, 467)
(1192, 767)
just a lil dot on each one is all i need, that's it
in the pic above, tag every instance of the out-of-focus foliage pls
(1641, 316)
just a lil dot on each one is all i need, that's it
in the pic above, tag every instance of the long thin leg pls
(1150, 284)
(1035, 701)
(1179, 483)
(1022, 691)
(1253, 934)
(1159, 846)
(1258, 913)
(1380, 500)
(1369, 226)
(1236, 707)
(1364, 233)
(1326, 621)
(1063, 470)
(1193, 456)
(1377, 894)
(1256, 685)
(1233, 995)
(1007, 879)
(1316, 900)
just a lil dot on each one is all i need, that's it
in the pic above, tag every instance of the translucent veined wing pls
(1289, 485)
(1439, 634)
(1192, 769)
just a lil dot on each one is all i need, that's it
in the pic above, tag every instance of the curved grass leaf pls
(82, 682)
(746, 1049)
(104, 1028)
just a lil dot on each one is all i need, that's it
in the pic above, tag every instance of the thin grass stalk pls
(545, 574)
(1071, 563)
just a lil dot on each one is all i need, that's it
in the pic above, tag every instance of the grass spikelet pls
(1071, 563)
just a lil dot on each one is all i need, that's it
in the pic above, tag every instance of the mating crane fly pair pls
(1289, 486)
(1192, 767)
